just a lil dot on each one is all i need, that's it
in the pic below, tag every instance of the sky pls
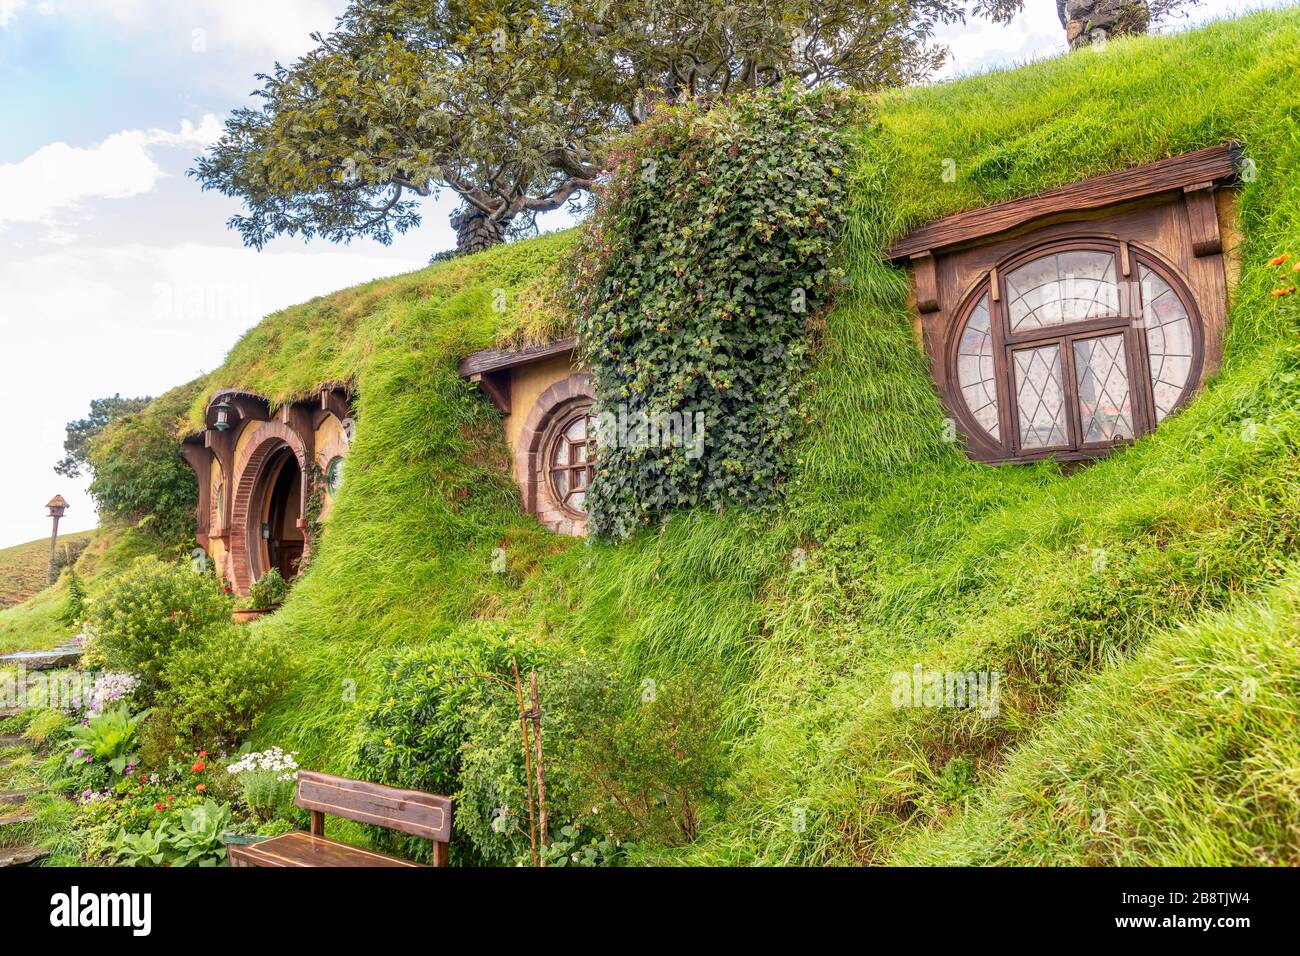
(118, 274)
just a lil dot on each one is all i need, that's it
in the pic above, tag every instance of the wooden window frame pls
(561, 422)
(1129, 321)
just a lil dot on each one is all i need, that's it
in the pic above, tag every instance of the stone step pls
(21, 855)
(10, 712)
(16, 797)
(15, 740)
(44, 660)
(17, 819)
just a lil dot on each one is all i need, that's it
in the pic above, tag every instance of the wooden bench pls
(408, 811)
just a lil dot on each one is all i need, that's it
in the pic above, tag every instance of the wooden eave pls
(497, 360)
(1192, 172)
(489, 369)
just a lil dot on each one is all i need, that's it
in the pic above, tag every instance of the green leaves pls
(694, 288)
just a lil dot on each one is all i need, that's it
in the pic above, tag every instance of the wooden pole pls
(528, 763)
(541, 776)
(54, 541)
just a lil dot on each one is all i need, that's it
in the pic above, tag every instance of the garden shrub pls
(144, 616)
(658, 769)
(216, 687)
(267, 592)
(694, 289)
(444, 727)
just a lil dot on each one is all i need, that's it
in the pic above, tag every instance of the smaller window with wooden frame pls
(570, 458)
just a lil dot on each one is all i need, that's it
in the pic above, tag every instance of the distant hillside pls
(23, 567)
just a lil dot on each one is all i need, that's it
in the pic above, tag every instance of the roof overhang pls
(489, 369)
(1197, 172)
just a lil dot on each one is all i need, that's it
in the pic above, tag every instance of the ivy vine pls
(708, 260)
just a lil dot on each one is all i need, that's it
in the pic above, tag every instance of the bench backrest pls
(409, 811)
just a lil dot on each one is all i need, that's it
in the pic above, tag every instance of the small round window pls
(334, 475)
(570, 456)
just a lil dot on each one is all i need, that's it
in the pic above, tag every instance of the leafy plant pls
(196, 839)
(147, 614)
(108, 739)
(694, 288)
(215, 688)
(268, 591)
(584, 846)
(141, 849)
(268, 781)
(75, 611)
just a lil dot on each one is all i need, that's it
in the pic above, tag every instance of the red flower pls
(199, 767)
(170, 798)
(202, 754)
(1278, 260)
(201, 787)
(159, 806)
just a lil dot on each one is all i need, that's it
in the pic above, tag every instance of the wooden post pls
(541, 776)
(57, 506)
(528, 763)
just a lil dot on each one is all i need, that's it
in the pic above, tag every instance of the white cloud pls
(58, 178)
(8, 8)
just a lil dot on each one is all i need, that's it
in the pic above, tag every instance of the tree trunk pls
(475, 231)
(1096, 21)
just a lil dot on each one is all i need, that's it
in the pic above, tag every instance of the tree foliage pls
(509, 102)
(82, 432)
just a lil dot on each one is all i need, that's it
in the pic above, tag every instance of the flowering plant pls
(267, 779)
(108, 688)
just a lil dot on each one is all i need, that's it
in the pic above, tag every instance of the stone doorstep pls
(21, 855)
(16, 797)
(10, 712)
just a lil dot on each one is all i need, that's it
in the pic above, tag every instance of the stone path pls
(13, 804)
(65, 655)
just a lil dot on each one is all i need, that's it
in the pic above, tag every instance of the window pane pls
(1105, 407)
(975, 375)
(1169, 340)
(561, 482)
(1062, 287)
(1040, 399)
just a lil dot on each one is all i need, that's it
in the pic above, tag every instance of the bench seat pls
(304, 849)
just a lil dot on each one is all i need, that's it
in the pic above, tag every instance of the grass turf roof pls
(915, 555)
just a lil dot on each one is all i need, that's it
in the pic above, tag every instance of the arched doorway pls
(267, 529)
(278, 541)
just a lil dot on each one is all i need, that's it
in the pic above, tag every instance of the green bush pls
(445, 725)
(104, 745)
(213, 689)
(658, 769)
(75, 611)
(145, 616)
(695, 287)
(267, 591)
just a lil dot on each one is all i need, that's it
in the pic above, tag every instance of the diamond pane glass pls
(975, 375)
(1169, 340)
(1040, 398)
(1062, 287)
(1105, 407)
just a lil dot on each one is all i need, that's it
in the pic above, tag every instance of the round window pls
(334, 475)
(570, 460)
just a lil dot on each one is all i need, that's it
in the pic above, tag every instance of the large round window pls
(1059, 352)
(570, 459)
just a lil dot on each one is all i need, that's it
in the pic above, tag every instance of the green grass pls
(914, 554)
(24, 568)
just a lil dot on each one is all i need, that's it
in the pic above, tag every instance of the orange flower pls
(201, 787)
(1296, 267)
(199, 767)
(170, 798)
(202, 754)
(1278, 293)
(1278, 260)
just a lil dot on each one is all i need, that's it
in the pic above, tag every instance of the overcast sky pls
(117, 275)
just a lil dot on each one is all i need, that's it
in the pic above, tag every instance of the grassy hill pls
(1150, 710)
(24, 567)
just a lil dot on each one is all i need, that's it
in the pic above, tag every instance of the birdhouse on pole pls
(56, 507)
